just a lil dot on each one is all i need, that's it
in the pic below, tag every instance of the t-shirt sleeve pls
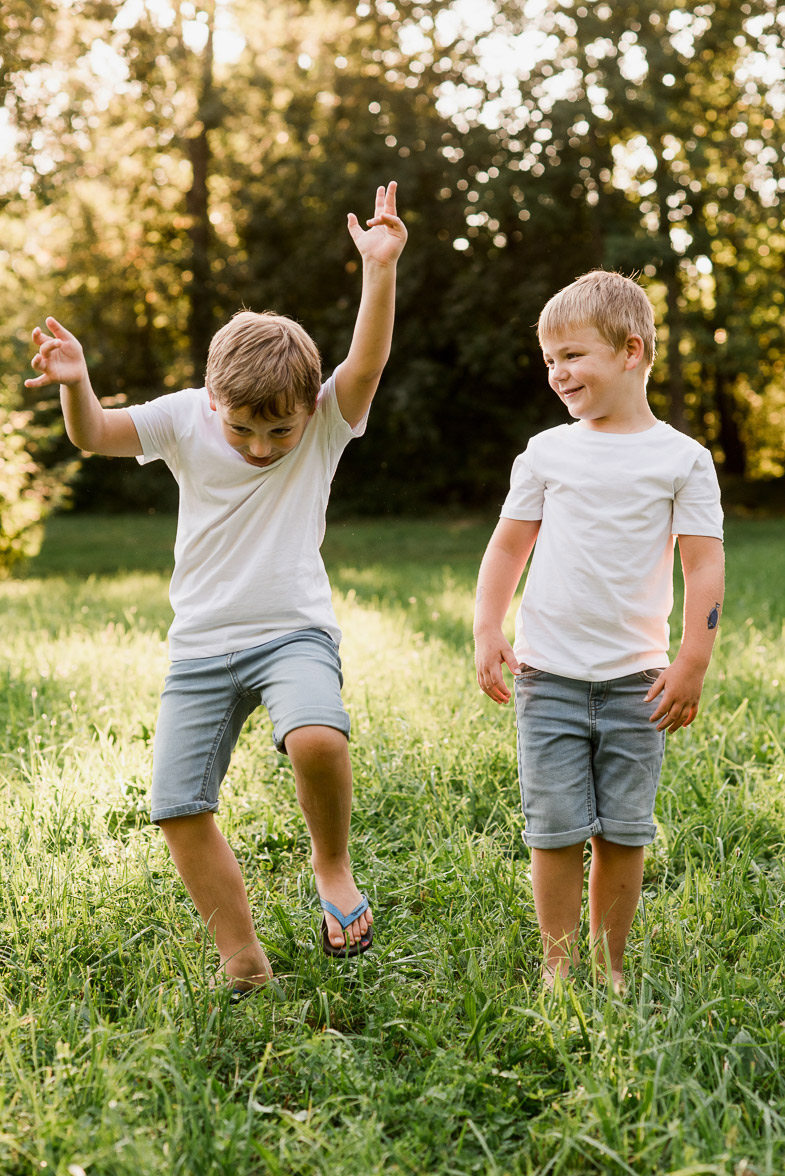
(337, 431)
(337, 421)
(696, 503)
(527, 490)
(155, 424)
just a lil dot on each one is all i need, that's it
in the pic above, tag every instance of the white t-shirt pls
(600, 587)
(247, 563)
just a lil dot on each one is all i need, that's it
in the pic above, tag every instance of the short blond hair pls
(615, 306)
(265, 362)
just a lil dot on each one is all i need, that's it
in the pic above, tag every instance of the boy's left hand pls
(385, 237)
(679, 686)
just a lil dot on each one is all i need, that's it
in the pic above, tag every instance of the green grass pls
(437, 1052)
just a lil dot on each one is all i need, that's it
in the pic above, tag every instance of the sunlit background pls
(165, 164)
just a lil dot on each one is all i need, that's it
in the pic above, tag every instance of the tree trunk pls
(201, 320)
(729, 435)
(675, 325)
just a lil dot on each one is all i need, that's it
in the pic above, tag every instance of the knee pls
(313, 747)
(181, 830)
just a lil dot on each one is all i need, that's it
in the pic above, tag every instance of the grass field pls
(437, 1052)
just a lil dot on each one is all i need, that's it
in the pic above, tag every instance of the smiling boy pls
(254, 453)
(600, 502)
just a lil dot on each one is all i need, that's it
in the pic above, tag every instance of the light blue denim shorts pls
(588, 757)
(206, 700)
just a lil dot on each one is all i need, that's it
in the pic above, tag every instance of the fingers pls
(46, 347)
(511, 661)
(670, 716)
(389, 198)
(492, 684)
(353, 225)
(385, 211)
(58, 329)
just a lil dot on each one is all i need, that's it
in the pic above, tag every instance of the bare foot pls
(553, 976)
(336, 884)
(247, 969)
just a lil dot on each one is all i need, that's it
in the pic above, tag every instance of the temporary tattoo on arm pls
(714, 616)
(480, 592)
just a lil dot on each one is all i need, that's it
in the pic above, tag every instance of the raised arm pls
(380, 246)
(680, 685)
(60, 360)
(500, 573)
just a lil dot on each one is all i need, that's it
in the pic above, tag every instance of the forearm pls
(372, 337)
(500, 572)
(498, 578)
(704, 592)
(83, 414)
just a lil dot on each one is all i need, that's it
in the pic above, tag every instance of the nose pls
(260, 447)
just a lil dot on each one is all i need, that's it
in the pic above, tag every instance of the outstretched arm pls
(680, 685)
(60, 360)
(380, 246)
(500, 572)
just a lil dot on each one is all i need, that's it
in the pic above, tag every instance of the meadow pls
(437, 1052)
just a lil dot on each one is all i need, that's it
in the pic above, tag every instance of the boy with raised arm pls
(601, 503)
(254, 453)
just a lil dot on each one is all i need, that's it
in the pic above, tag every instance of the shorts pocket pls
(528, 672)
(650, 675)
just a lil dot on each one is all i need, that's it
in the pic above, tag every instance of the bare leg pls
(615, 881)
(323, 774)
(211, 873)
(557, 882)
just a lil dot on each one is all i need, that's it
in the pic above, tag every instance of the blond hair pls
(265, 362)
(615, 306)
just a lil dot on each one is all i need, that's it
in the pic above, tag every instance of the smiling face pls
(602, 387)
(260, 442)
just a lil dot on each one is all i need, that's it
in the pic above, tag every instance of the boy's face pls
(260, 442)
(595, 383)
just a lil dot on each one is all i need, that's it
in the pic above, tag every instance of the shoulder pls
(547, 441)
(175, 404)
(682, 451)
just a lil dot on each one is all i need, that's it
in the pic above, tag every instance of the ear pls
(633, 352)
(213, 405)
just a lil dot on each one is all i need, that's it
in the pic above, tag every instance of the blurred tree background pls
(168, 161)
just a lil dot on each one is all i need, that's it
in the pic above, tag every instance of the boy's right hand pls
(492, 651)
(59, 359)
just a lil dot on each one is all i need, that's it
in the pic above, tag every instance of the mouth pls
(571, 391)
(259, 462)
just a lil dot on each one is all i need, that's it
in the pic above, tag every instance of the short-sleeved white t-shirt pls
(247, 563)
(600, 587)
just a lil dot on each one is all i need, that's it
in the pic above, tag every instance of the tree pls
(673, 109)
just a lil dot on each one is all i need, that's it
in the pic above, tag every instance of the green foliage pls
(161, 186)
(30, 487)
(437, 1052)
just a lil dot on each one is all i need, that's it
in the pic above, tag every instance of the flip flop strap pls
(345, 920)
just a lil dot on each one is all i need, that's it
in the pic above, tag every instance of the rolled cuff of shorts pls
(619, 832)
(309, 717)
(192, 809)
(561, 840)
(628, 832)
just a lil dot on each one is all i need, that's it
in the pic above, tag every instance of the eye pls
(282, 431)
(242, 430)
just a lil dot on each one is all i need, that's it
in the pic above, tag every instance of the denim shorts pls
(206, 700)
(588, 757)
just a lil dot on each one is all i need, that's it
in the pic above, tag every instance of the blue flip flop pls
(345, 921)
